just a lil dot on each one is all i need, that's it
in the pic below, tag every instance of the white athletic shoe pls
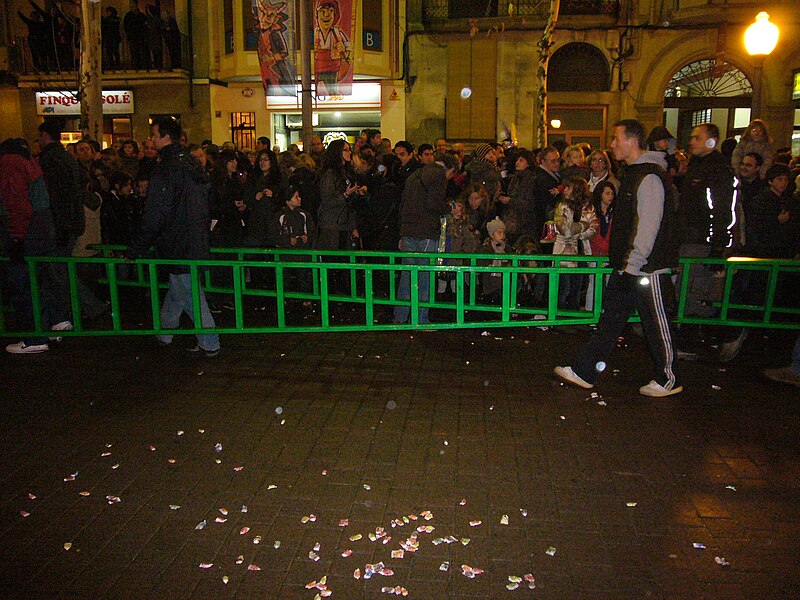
(656, 390)
(62, 326)
(23, 348)
(570, 376)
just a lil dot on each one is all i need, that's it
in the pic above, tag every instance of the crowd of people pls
(731, 198)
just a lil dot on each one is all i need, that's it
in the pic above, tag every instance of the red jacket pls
(16, 175)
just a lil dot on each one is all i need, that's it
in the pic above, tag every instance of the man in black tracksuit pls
(642, 251)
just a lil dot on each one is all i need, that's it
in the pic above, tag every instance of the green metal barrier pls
(361, 269)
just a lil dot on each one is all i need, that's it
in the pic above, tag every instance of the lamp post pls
(760, 40)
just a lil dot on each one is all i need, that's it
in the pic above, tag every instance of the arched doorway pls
(707, 91)
(584, 122)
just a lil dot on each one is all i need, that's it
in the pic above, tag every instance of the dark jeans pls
(52, 293)
(623, 293)
(569, 290)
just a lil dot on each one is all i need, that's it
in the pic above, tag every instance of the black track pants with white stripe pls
(623, 294)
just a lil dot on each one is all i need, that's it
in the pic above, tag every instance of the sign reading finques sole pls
(115, 102)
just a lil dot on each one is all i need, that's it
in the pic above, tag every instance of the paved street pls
(131, 471)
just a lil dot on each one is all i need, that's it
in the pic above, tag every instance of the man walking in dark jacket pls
(422, 207)
(642, 251)
(176, 221)
(705, 214)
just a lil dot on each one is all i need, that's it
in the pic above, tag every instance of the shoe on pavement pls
(62, 326)
(22, 348)
(656, 390)
(784, 375)
(730, 350)
(570, 376)
(198, 351)
(685, 354)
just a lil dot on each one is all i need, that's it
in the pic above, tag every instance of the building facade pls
(472, 68)
(208, 77)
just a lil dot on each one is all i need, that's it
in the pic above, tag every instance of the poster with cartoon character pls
(334, 23)
(275, 27)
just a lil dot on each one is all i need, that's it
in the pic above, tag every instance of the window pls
(249, 26)
(472, 9)
(227, 20)
(372, 25)
(701, 116)
(578, 67)
(243, 129)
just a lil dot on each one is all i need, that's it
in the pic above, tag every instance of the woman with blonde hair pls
(754, 139)
(600, 165)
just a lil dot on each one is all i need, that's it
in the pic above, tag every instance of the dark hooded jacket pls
(424, 203)
(176, 212)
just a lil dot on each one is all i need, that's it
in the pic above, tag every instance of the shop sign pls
(115, 102)
(364, 95)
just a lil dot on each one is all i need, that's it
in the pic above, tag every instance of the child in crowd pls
(492, 283)
(459, 239)
(576, 223)
(293, 228)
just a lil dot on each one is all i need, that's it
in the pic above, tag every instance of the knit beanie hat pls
(482, 150)
(495, 225)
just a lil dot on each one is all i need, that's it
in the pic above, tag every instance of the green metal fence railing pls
(366, 282)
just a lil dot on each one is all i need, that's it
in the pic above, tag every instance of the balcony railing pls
(439, 10)
(23, 61)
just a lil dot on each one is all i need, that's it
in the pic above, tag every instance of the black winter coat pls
(175, 217)
(62, 175)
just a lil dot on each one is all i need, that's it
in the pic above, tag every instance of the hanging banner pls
(275, 23)
(334, 24)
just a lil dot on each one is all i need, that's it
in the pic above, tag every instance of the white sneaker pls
(62, 326)
(23, 348)
(656, 390)
(567, 374)
(730, 350)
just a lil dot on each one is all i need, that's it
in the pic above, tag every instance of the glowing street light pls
(760, 40)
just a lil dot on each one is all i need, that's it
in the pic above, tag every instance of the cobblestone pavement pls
(114, 452)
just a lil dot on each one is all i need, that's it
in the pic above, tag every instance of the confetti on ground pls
(276, 544)
(271, 487)
(366, 487)
(239, 559)
(698, 545)
(180, 432)
(550, 551)
(206, 565)
(357, 574)
(313, 556)
(71, 477)
(218, 447)
(715, 387)
(465, 541)
(356, 537)
(720, 560)
(237, 469)
(225, 579)
(523, 512)
(470, 572)
(24, 513)
(463, 502)
(730, 487)
(630, 504)
(324, 472)
(474, 523)
(31, 496)
(347, 553)
(253, 568)
(244, 508)
(398, 553)
(113, 499)
(67, 545)
(445, 566)
(85, 493)
(221, 520)
(504, 520)
(201, 525)
(244, 530)
(174, 506)
(344, 522)
(257, 539)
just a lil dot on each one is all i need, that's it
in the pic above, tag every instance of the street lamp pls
(760, 40)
